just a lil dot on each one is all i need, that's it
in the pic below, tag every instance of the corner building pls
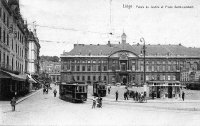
(14, 49)
(124, 63)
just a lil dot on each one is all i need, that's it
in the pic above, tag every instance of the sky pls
(62, 23)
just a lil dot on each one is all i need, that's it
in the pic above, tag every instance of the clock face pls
(123, 38)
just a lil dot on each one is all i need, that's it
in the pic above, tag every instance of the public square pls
(45, 109)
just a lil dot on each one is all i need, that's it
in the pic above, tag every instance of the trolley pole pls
(144, 53)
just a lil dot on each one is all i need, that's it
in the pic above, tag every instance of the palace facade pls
(124, 63)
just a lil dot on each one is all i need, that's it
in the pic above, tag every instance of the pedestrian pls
(183, 95)
(127, 94)
(116, 95)
(136, 96)
(108, 90)
(94, 102)
(13, 103)
(133, 94)
(55, 92)
(47, 90)
(124, 95)
(99, 102)
(153, 95)
(44, 90)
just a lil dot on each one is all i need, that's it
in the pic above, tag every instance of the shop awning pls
(30, 79)
(12, 76)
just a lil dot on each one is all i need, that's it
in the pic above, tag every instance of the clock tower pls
(123, 38)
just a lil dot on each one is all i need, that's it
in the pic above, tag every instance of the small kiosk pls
(164, 89)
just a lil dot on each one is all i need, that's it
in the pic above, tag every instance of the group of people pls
(97, 102)
(138, 96)
(45, 90)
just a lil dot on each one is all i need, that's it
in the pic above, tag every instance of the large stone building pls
(124, 63)
(14, 47)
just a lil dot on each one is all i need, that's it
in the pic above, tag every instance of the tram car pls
(73, 91)
(99, 89)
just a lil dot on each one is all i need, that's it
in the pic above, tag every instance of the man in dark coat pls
(108, 90)
(55, 92)
(116, 94)
(13, 103)
(183, 95)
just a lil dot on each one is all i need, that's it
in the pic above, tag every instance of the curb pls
(24, 98)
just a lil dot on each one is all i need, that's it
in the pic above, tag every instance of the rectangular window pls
(7, 60)
(174, 77)
(147, 68)
(83, 68)
(77, 78)
(168, 68)
(142, 68)
(88, 78)
(83, 78)
(4, 36)
(164, 77)
(88, 68)
(168, 77)
(163, 68)
(4, 17)
(8, 21)
(99, 68)
(12, 44)
(104, 68)
(4, 58)
(158, 68)
(73, 68)
(8, 39)
(104, 78)
(152, 68)
(133, 67)
(94, 78)
(78, 68)
(94, 67)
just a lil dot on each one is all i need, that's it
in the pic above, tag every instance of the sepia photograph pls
(99, 62)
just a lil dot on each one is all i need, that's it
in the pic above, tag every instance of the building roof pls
(151, 50)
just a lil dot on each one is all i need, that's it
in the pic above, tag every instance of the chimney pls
(75, 45)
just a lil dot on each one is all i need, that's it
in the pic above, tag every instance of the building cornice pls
(106, 56)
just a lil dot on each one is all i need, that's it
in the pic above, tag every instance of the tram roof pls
(74, 83)
(163, 81)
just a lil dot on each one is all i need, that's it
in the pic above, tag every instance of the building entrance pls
(124, 79)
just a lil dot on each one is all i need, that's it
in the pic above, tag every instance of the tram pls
(99, 89)
(73, 91)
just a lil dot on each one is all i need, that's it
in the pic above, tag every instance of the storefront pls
(12, 85)
(164, 89)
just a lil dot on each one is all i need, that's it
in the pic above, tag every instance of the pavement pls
(28, 96)
(45, 109)
(169, 104)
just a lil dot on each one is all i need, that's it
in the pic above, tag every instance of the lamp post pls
(144, 52)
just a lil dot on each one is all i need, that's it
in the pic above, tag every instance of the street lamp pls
(144, 52)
